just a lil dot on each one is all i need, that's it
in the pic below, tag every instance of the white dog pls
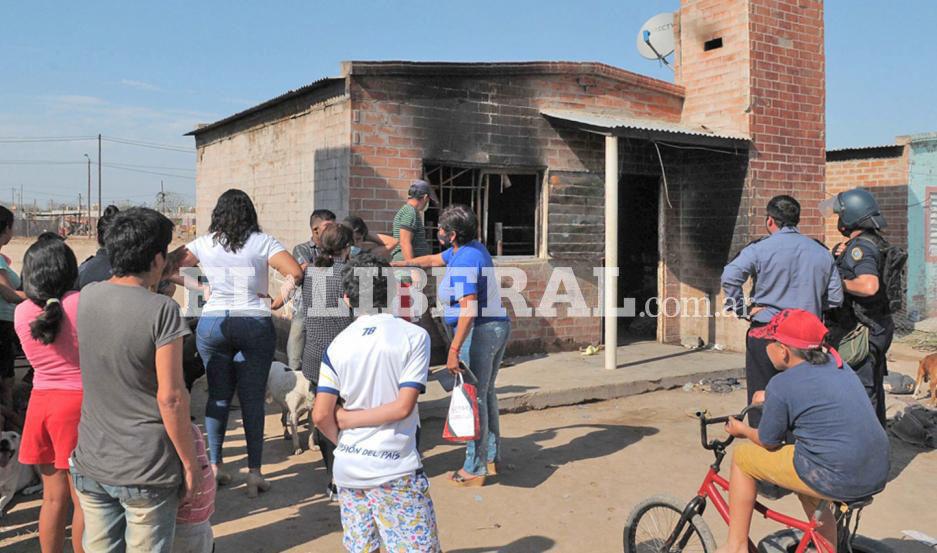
(14, 477)
(290, 390)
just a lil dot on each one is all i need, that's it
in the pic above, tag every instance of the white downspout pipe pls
(611, 252)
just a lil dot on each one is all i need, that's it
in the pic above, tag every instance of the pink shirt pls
(56, 365)
(202, 505)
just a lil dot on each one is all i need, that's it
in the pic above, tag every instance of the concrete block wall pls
(922, 248)
(289, 164)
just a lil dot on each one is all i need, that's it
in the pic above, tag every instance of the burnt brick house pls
(548, 152)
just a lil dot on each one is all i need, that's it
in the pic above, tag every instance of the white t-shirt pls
(236, 279)
(366, 366)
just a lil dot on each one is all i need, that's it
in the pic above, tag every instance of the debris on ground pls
(714, 385)
(915, 425)
(921, 340)
(899, 384)
(591, 349)
(694, 342)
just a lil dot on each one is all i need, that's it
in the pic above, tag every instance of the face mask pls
(445, 241)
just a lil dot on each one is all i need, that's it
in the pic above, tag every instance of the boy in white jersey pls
(377, 368)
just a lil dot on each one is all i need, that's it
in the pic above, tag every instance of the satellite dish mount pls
(655, 39)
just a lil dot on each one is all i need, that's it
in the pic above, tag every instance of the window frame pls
(481, 171)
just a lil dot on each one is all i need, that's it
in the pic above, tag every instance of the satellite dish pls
(655, 39)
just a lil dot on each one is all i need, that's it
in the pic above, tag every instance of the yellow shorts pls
(776, 467)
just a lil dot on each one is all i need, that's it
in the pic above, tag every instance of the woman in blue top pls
(471, 298)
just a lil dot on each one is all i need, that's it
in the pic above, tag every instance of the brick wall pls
(886, 179)
(767, 80)
(788, 113)
(717, 81)
(399, 121)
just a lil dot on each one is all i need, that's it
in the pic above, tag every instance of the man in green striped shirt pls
(411, 235)
(408, 224)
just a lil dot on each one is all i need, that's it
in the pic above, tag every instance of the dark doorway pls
(638, 254)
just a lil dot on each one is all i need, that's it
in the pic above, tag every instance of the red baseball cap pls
(795, 328)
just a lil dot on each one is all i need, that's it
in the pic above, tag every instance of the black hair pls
(233, 220)
(784, 210)
(49, 271)
(321, 214)
(334, 239)
(6, 218)
(104, 220)
(812, 356)
(49, 235)
(351, 283)
(462, 221)
(134, 238)
(356, 224)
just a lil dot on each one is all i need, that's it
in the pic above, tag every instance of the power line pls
(28, 139)
(154, 145)
(111, 166)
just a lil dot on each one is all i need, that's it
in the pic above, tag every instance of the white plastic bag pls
(462, 421)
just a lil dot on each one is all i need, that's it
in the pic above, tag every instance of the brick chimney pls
(758, 67)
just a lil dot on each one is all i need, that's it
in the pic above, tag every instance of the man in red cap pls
(840, 452)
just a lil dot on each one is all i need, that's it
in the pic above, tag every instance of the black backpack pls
(891, 271)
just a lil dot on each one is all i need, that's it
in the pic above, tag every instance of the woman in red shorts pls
(46, 326)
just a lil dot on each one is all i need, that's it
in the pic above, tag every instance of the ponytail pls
(45, 327)
(49, 272)
(335, 239)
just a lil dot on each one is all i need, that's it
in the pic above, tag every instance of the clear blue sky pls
(150, 71)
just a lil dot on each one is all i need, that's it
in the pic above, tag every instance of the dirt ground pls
(573, 475)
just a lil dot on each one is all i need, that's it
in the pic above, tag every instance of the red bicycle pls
(662, 524)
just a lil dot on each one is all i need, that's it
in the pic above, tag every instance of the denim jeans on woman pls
(237, 351)
(135, 519)
(482, 352)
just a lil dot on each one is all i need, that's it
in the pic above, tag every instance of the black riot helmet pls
(856, 209)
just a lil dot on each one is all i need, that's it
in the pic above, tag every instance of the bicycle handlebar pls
(704, 422)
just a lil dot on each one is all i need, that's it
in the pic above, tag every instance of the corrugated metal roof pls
(612, 123)
(861, 148)
(321, 83)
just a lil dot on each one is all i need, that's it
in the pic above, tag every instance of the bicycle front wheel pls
(652, 522)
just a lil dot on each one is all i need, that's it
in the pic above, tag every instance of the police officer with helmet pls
(865, 317)
(789, 271)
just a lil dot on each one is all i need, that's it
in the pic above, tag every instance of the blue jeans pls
(482, 352)
(135, 519)
(237, 352)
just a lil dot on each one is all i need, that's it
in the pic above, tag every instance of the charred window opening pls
(506, 202)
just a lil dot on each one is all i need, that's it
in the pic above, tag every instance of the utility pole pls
(89, 194)
(162, 198)
(79, 209)
(100, 199)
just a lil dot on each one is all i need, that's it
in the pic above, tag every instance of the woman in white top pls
(235, 335)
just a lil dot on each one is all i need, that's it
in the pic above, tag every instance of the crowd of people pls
(109, 422)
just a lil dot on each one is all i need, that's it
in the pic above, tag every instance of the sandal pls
(457, 479)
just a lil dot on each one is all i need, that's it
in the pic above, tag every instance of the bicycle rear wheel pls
(652, 521)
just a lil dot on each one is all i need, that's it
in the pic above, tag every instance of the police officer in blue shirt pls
(860, 260)
(788, 271)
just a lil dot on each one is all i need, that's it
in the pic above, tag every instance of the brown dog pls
(927, 372)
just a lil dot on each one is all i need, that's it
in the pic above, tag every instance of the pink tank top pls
(56, 365)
